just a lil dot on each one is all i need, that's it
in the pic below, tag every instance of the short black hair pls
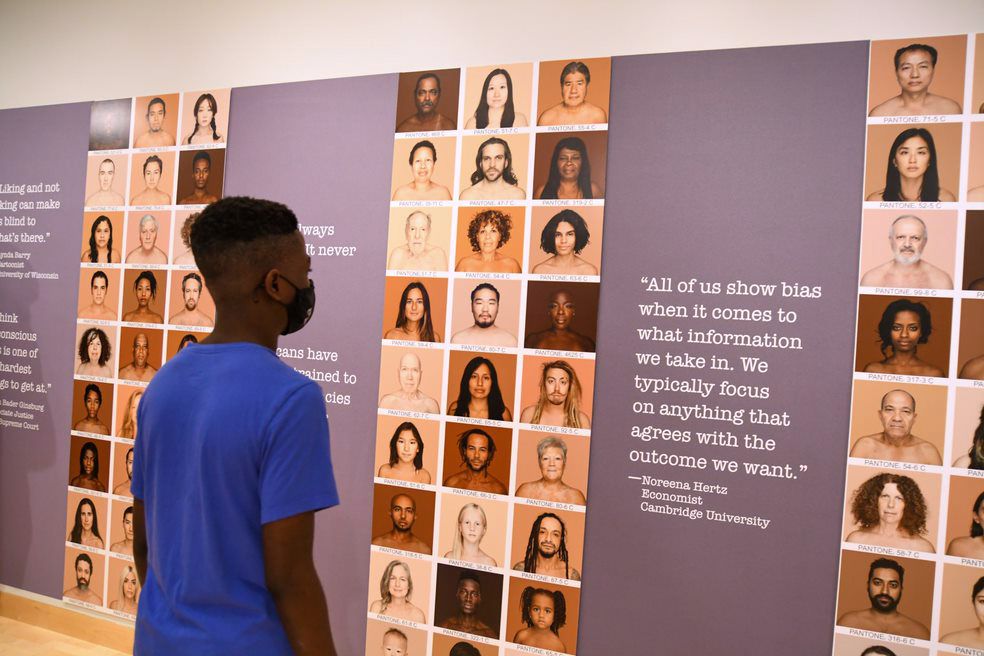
(153, 158)
(157, 101)
(239, 229)
(192, 276)
(201, 154)
(151, 280)
(913, 47)
(886, 563)
(581, 234)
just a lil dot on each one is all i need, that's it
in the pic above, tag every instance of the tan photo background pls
(420, 573)
(443, 173)
(508, 317)
(948, 77)
(494, 542)
(451, 460)
(599, 89)
(971, 330)
(967, 416)
(512, 248)
(519, 148)
(930, 423)
(437, 293)
(946, 137)
(593, 216)
(133, 233)
(440, 232)
(956, 608)
(929, 484)
(572, 602)
(941, 244)
(120, 161)
(935, 351)
(917, 586)
(521, 75)
(431, 369)
(171, 113)
(528, 463)
(447, 105)
(188, 118)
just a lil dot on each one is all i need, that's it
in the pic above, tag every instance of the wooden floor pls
(20, 639)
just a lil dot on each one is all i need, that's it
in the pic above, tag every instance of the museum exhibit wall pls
(717, 180)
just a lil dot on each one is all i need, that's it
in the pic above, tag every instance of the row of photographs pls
(99, 581)
(154, 119)
(568, 92)
(192, 177)
(140, 354)
(911, 336)
(137, 238)
(564, 241)
(393, 639)
(891, 595)
(925, 76)
(917, 250)
(566, 166)
(908, 423)
(146, 296)
(922, 164)
(898, 511)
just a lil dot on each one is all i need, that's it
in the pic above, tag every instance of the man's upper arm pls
(287, 548)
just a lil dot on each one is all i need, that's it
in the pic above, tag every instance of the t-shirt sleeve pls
(295, 473)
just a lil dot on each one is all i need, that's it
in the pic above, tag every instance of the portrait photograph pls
(148, 235)
(442, 644)
(535, 370)
(152, 178)
(102, 238)
(109, 124)
(88, 464)
(913, 249)
(897, 410)
(913, 508)
(536, 464)
(970, 360)
(916, 601)
(423, 169)
(490, 239)
(79, 573)
(959, 621)
(123, 588)
(447, 606)
(144, 295)
(566, 240)
(95, 350)
(180, 339)
(99, 293)
(132, 340)
(576, 90)
(415, 309)
(915, 71)
(122, 452)
(973, 269)
(407, 449)
(524, 624)
(128, 401)
(400, 587)
(920, 163)
(382, 517)
(525, 542)
(463, 311)
(190, 303)
(204, 117)
(411, 378)
(105, 180)
(419, 239)
(181, 254)
(968, 428)
(892, 335)
(382, 635)
(497, 159)
(415, 99)
(457, 460)
(977, 104)
(561, 316)
(92, 407)
(201, 174)
(80, 526)
(965, 518)
(155, 122)
(498, 96)
(473, 530)
(570, 165)
(480, 385)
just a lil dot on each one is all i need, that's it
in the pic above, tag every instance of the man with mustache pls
(896, 441)
(477, 449)
(426, 96)
(139, 368)
(546, 550)
(493, 178)
(885, 593)
(83, 574)
(559, 403)
(403, 513)
(485, 308)
(907, 238)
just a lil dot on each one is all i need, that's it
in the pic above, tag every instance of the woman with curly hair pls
(94, 353)
(891, 512)
(489, 231)
(544, 613)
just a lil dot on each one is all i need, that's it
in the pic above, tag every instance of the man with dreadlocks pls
(546, 550)
(560, 399)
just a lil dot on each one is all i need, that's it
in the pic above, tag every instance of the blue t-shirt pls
(230, 438)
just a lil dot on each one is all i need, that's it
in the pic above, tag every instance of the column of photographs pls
(487, 365)
(912, 558)
(153, 163)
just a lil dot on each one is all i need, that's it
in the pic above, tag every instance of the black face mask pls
(300, 310)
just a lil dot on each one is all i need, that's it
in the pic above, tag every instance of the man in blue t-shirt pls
(233, 458)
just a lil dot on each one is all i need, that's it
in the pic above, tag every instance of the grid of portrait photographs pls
(487, 358)
(153, 163)
(912, 555)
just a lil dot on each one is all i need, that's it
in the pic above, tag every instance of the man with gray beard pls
(907, 238)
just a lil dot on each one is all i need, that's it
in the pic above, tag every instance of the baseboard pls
(56, 615)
